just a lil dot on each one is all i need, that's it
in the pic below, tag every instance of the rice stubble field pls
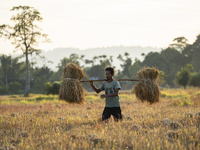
(44, 122)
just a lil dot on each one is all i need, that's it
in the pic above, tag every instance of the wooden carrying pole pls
(115, 79)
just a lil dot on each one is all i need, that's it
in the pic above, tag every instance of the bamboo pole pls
(115, 79)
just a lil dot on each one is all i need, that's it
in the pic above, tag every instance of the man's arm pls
(111, 95)
(94, 88)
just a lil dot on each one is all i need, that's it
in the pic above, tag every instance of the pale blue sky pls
(101, 23)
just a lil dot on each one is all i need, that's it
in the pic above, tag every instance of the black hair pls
(111, 69)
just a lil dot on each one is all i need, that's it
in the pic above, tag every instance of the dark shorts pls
(114, 111)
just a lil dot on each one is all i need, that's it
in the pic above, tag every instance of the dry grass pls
(56, 125)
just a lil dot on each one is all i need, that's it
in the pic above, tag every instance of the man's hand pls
(103, 96)
(94, 88)
(91, 82)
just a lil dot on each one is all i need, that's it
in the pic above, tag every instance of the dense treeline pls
(179, 65)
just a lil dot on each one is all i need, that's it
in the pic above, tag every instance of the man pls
(111, 88)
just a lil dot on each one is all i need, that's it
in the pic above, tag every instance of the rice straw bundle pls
(147, 89)
(71, 89)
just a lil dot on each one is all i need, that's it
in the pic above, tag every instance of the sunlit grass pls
(44, 122)
(13, 96)
(197, 93)
(91, 97)
(123, 96)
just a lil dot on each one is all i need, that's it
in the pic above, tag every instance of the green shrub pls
(47, 88)
(13, 96)
(14, 87)
(40, 98)
(183, 76)
(195, 79)
(38, 85)
(52, 88)
(56, 87)
(3, 89)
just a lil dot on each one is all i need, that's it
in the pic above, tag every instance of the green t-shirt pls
(109, 89)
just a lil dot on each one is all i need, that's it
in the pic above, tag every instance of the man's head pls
(109, 72)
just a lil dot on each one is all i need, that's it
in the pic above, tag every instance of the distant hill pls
(135, 52)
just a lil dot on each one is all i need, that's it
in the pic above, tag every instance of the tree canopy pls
(25, 35)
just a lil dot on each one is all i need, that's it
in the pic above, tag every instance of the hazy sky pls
(101, 23)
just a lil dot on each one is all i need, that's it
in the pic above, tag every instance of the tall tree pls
(133, 69)
(125, 64)
(196, 54)
(179, 43)
(25, 35)
(99, 63)
(73, 58)
(169, 60)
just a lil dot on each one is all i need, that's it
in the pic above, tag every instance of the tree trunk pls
(27, 87)
(184, 86)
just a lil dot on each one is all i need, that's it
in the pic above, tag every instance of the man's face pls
(108, 75)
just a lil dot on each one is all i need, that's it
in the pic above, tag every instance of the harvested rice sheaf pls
(147, 89)
(71, 89)
(147, 73)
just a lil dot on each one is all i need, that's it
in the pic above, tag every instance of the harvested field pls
(43, 122)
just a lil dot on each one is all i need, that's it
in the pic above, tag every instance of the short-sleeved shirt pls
(109, 88)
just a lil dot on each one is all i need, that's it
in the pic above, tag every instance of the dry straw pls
(147, 89)
(71, 89)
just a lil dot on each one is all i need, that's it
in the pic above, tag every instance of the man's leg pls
(106, 114)
(116, 112)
